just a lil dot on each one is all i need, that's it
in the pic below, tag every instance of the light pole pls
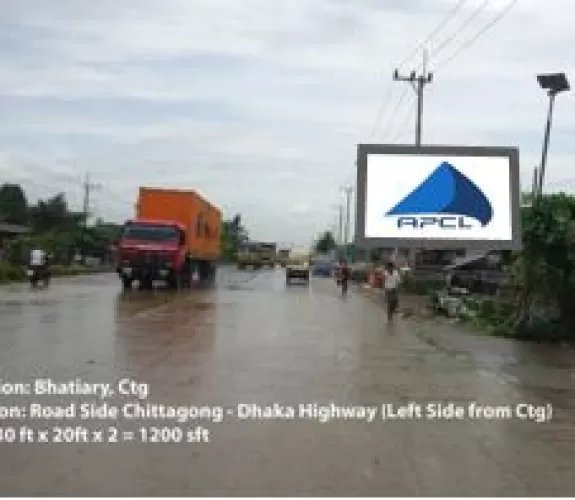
(554, 84)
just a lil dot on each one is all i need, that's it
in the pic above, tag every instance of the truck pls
(248, 255)
(174, 237)
(298, 267)
(268, 254)
(283, 256)
(257, 255)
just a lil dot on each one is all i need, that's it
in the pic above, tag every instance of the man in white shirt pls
(40, 262)
(37, 258)
(391, 282)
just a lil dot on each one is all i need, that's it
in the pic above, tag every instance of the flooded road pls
(251, 341)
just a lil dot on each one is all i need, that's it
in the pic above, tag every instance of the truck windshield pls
(253, 247)
(148, 232)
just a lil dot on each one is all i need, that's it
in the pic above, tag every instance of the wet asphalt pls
(250, 340)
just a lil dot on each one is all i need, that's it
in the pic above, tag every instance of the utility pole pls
(348, 191)
(88, 187)
(418, 82)
(340, 224)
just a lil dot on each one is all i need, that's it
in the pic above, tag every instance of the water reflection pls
(166, 339)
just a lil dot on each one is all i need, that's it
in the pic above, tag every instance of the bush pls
(422, 287)
(10, 272)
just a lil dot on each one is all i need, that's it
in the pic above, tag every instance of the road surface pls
(252, 341)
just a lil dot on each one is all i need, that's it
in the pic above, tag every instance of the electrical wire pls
(467, 22)
(387, 100)
(382, 110)
(396, 109)
(402, 129)
(450, 15)
(470, 42)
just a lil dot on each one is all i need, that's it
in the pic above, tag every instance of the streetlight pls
(554, 84)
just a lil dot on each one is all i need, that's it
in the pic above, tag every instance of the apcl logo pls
(447, 199)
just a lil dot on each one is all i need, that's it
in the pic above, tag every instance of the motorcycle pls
(37, 275)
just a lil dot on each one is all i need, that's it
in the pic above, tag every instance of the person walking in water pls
(344, 276)
(391, 281)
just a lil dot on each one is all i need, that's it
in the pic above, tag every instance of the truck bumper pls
(144, 273)
(296, 273)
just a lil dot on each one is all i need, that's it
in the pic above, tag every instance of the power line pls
(387, 100)
(467, 22)
(478, 35)
(418, 82)
(393, 116)
(382, 109)
(451, 14)
(403, 127)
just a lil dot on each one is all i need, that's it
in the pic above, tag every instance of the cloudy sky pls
(259, 104)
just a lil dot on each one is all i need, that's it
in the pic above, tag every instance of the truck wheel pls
(126, 283)
(173, 283)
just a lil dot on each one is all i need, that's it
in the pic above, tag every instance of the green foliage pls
(325, 243)
(11, 273)
(416, 286)
(233, 236)
(545, 270)
(13, 204)
(54, 228)
(53, 214)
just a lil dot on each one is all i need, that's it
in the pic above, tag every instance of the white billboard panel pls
(438, 197)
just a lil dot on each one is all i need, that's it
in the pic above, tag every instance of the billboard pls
(437, 197)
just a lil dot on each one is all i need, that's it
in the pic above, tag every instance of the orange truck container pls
(174, 237)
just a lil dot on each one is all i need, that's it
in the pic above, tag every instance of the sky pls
(260, 104)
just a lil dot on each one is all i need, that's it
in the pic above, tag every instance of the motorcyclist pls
(39, 263)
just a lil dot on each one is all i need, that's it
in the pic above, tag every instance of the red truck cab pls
(151, 250)
(174, 237)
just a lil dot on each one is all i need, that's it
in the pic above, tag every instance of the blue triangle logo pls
(446, 191)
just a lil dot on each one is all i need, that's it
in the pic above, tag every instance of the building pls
(8, 232)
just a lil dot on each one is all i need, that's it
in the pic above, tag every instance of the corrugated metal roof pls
(13, 228)
(468, 259)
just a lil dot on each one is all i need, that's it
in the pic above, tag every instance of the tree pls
(545, 269)
(54, 214)
(233, 236)
(13, 204)
(325, 243)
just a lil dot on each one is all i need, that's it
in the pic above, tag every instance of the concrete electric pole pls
(340, 224)
(418, 82)
(88, 187)
(348, 190)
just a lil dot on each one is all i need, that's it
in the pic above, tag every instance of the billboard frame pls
(363, 150)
